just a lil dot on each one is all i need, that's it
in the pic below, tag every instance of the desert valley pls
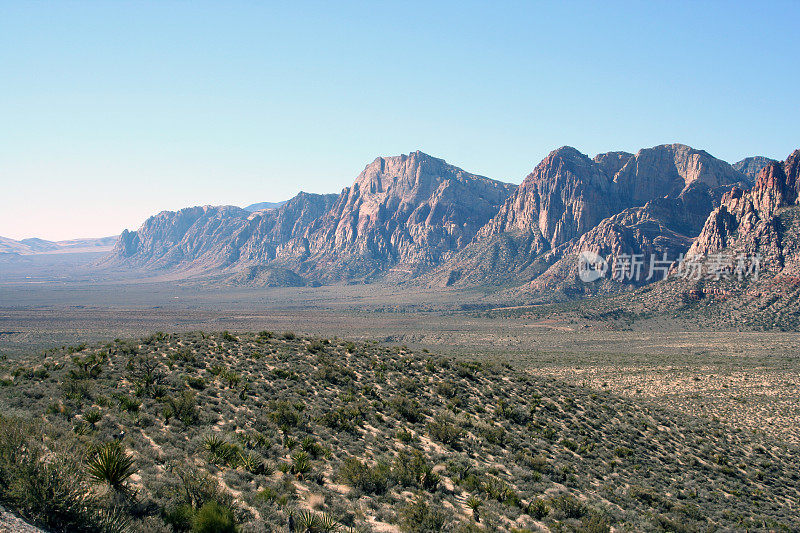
(418, 353)
(418, 267)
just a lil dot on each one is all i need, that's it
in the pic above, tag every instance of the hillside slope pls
(255, 428)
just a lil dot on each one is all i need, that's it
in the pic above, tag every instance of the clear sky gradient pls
(113, 111)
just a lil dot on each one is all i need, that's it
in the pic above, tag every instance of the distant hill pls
(752, 166)
(40, 246)
(264, 205)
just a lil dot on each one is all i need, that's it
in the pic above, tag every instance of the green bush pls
(368, 479)
(445, 431)
(213, 518)
(419, 517)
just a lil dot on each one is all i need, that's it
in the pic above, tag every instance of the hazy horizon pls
(116, 111)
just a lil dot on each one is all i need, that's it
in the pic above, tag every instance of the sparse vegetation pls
(334, 434)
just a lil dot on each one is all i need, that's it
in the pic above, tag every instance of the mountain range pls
(417, 219)
(40, 246)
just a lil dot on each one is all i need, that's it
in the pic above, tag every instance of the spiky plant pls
(301, 464)
(309, 445)
(113, 520)
(221, 451)
(474, 503)
(307, 522)
(213, 443)
(327, 524)
(111, 465)
(93, 416)
(251, 462)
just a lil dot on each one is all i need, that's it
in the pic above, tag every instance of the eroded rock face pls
(213, 237)
(750, 219)
(568, 193)
(412, 213)
(667, 170)
(411, 210)
(170, 238)
(650, 203)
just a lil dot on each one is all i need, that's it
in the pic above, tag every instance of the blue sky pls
(112, 111)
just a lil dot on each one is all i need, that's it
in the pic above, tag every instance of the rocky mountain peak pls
(752, 166)
(668, 169)
(612, 162)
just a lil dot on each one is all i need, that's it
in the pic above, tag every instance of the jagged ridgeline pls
(212, 432)
(415, 217)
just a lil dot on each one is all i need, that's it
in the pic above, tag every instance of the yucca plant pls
(327, 523)
(113, 521)
(221, 451)
(474, 503)
(213, 443)
(309, 522)
(111, 465)
(301, 464)
(310, 445)
(93, 416)
(251, 462)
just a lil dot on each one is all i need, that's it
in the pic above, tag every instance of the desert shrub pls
(334, 373)
(412, 469)
(147, 375)
(368, 479)
(232, 379)
(196, 487)
(47, 486)
(403, 435)
(499, 490)
(344, 418)
(594, 523)
(538, 509)
(284, 374)
(50, 493)
(315, 346)
(213, 518)
(419, 517)
(283, 414)
(623, 451)
(197, 383)
(408, 409)
(492, 434)
(88, 367)
(183, 406)
(227, 337)
(444, 430)
(446, 389)
(568, 506)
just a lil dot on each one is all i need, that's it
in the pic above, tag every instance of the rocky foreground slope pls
(204, 432)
